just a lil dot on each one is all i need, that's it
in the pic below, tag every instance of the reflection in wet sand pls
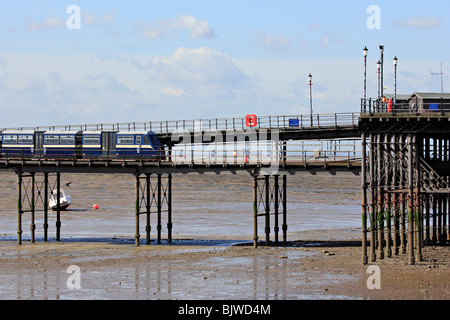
(212, 212)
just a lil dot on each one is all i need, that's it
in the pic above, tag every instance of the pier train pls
(81, 144)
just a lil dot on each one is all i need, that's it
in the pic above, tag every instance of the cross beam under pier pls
(153, 197)
(273, 199)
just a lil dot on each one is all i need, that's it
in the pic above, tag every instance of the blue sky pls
(166, 60)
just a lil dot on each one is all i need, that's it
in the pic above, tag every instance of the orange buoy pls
(95, 206)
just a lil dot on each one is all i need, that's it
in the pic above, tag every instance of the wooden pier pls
(405, 183)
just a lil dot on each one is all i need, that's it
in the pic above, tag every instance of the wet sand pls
(211, 256)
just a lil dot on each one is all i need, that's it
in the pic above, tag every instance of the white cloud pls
(429, 22)
(196, 28)
(326, 38)
(49, 23)
(200, 66)
(274, 42)
(173, 91)
(2, 63)
(95, 20)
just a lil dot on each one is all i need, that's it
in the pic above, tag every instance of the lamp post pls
(378, 71)
(382, 62)
(365, 50)
(310, 97)
(395, 78)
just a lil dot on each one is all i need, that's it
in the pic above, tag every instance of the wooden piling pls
(364, 198)
(373, 224)
(410, 201)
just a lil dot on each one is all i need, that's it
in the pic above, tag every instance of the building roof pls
(399, 96)
(431, 95)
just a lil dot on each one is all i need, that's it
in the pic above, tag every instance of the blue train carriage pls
(62, 144)
(22, 144)
(91, 144)
(138, 144)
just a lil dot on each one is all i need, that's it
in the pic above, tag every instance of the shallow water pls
(210, 213)
(205, 206)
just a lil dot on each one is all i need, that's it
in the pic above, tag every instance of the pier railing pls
(284, 122)
(415, 106)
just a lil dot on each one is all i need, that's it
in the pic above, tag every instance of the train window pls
(25, 138)
(155, 140)
(9, 138)
(125, 140)
(51, 139)
(91, 139)
(138, 139)
(65, 139)
(146, 141)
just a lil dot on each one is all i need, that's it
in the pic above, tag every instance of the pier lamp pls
(365, 51)
(382, 62)
(395, 78)
(310, 97)
(378, 72)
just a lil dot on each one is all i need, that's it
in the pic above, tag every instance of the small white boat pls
(64, 200)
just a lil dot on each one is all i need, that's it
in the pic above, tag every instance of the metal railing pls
(285, 122)
(415, 106)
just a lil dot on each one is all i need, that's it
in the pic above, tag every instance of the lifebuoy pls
(250, 120)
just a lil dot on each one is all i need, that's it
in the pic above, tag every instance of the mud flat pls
(211, 256)
(215, 269)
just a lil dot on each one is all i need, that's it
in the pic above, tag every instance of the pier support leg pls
(285, 227)
(364, 199)
(147, 227)
(410, 202)
(276, 204)
(267, 208)
(45, 200)
(19, 208)
(137, 200)
(255, 211)
(373, 223)
(169, 207)
(159, 205)
(32, 209)
(58, 206)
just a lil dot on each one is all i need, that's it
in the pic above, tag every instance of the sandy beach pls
(211, 256)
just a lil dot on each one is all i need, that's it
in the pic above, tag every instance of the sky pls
(76, 62)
